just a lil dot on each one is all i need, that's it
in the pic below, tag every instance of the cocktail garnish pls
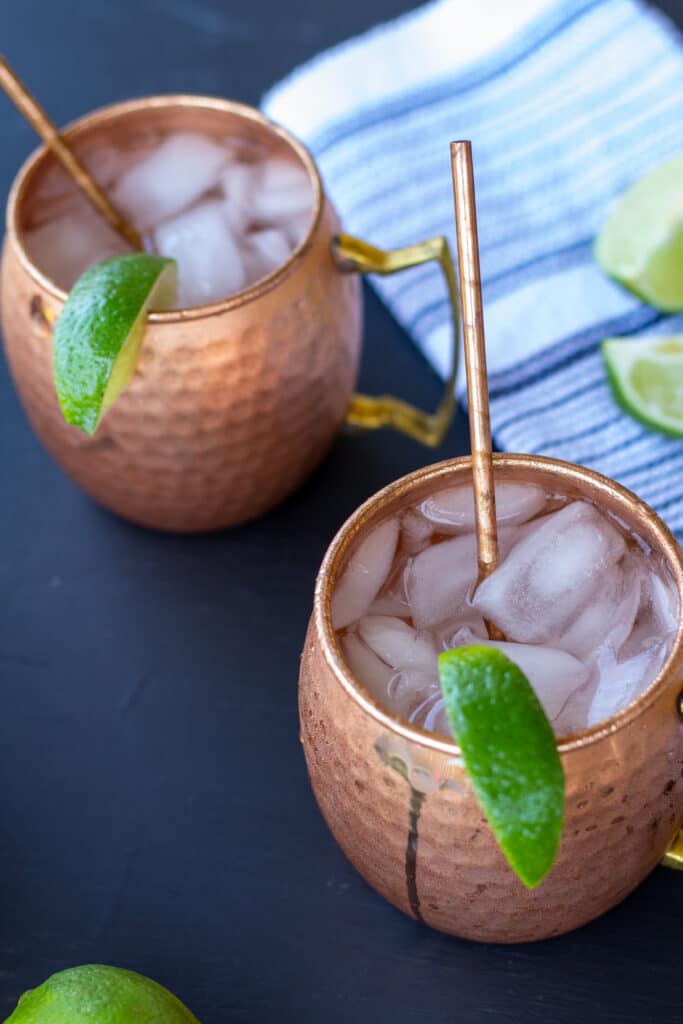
(646, 377)
(98, 333)
(510, 755)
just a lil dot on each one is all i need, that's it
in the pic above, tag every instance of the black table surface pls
(154, 804)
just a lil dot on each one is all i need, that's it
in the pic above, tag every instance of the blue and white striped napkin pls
(566, 103)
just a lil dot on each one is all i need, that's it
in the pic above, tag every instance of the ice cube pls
(278, 207)
(437, 580)
(656, 618)
(210, 265)
(468, 628)
(66, 246)
(368, 669)
(629, 658)
(550, 574)
(366, 571)
(408, 689)
(573, 717)
(453, 508)
(282, 174)
(430, 714)
(392, 599)
(416, 532)
(398, 644)
(283, 193)
(390, 604)
(264, 251)
(663, 602)
(620, 628)
(106, 163)
(238, 181)
(609, 615)
(620, 682)
(169, 179)
(554, 674)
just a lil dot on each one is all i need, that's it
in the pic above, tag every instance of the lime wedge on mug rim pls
(98, 334)
(641, 242)
(646, 377)
(510, 754)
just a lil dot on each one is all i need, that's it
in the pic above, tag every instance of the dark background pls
(154, 806)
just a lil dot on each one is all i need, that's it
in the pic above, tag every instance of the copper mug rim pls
(441, 471)
(113, 111)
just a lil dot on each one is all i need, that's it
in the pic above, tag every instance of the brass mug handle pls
(352, 255)
(673, 858)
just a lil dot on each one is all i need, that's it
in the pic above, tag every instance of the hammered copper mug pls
(232, 404)
(397, 798)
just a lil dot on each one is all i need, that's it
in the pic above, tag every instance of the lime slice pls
(641, 243)
(95, 994)
(99, 331)
(510, 754)
(646, 375)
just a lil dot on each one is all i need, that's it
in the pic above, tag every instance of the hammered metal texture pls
(228, 412)
(624, 792)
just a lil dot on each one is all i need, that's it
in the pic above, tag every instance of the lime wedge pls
(96, 994)
(641, 243)
(98, 334)
(646, 376)
(510, 754)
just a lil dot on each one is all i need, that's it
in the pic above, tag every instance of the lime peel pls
(99, 994)
(510, 754)
(99, 332)
(646, 378)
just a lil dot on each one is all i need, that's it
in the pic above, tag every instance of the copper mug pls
(232, 404)
(397, 798)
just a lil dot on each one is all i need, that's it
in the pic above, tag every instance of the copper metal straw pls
(475, 357)
(38, 119)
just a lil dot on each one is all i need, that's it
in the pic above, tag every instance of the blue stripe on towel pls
(545, 30)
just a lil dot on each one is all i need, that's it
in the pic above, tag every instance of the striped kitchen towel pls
(566, 103)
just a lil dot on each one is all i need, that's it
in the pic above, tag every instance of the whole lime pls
(97, 994)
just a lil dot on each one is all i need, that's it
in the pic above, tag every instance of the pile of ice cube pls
(587, 613)
(228, 213)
